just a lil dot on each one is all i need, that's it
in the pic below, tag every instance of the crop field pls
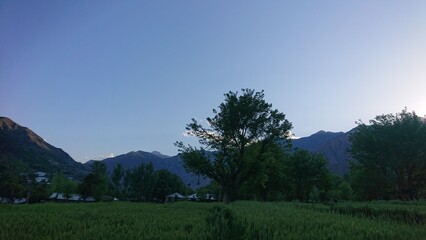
(189, 220)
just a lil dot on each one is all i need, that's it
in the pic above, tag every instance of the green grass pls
(188, 220)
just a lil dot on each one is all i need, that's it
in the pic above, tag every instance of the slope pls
(24, 149)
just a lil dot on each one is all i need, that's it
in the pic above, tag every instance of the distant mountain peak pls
(25, 134)
(159, 161)
(333, 145)
(158, 154)
(322, 132)
(7, 124)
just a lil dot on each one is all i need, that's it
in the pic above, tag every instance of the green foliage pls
(341, 189)
(140, 182)
(95, 184)
(39, 193)
(99, 168)
(241, 121)
(189, 220)
(116, 178)
(212, 188)
(17, 181)
(62, 184)
(389, 157)
(167, 183)
(308, 176)
(12, 183)
(268, 182)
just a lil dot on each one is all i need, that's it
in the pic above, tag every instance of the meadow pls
(191, 220)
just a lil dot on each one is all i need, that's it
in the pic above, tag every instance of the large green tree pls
(95, 184)
(241, 121)
(389, 157)
(305, 173)
(268, 182)
(140, 182)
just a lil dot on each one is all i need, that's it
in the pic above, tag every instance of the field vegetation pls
(190, 220)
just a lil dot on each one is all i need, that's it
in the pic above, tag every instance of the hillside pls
(160, 161)
(21, 147)
(332, 145)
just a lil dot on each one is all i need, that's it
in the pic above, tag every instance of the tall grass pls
(189, 220)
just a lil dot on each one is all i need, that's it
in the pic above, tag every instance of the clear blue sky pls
(101, 77)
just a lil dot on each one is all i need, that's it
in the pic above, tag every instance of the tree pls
(341, 188)
(96, 183)
(140, 182)
(116, 177)
(308, 172)
(99, 168)
(268, 182)
(62, 184)
(241, 121)
(12, 183)
(389, 157)
(167, 183)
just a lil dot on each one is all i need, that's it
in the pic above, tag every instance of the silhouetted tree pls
(12, 182)
(167, 183)
(242, 120)
(307, 172)
(95, 184)
(116, 178)
(389, 157)
(268, 182)
(140, 182)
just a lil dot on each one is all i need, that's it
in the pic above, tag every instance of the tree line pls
(246, 151)
(142, 183)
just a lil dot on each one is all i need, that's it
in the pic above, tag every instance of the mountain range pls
(159, 161)
(20, 146)
(25, 150)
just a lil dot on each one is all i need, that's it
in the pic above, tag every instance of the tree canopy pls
(305, 173)
(241, 121)
(389, 157)
(96, 183)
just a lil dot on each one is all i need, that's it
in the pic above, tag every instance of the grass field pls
(188, 220)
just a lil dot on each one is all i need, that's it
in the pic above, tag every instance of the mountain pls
(333, 146)
(21, 147)
(314, 142)
(158, 154)
(159, 161)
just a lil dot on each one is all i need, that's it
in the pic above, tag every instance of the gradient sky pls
(102, 77)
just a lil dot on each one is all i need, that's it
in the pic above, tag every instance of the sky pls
(103, 78)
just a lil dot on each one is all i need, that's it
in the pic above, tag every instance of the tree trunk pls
(28, 196)
(410, 180)
(226, 199)
(228, 193)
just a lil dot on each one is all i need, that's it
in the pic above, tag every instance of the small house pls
(174, 197)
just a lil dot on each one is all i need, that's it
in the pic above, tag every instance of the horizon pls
(105, 78)
(112, 155)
